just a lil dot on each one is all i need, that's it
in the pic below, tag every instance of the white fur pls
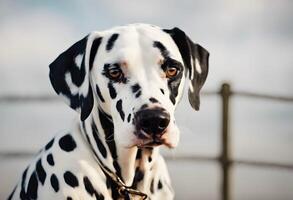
(197, 66)
(78, 60)
(73, 88)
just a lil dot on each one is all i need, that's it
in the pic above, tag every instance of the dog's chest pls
(71, 171)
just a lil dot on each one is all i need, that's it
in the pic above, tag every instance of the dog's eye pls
(171, 72)
(115, 74)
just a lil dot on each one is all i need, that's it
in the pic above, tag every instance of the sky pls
(250, 42)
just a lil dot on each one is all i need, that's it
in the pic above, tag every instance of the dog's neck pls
(130, 164)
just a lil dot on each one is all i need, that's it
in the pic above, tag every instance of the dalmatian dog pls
(125, 84)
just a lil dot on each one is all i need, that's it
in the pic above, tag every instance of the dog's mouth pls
(150, 140)
(151, 143)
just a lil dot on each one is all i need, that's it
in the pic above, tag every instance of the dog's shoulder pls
(64, 162)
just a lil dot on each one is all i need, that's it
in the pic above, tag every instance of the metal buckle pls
(123, 189)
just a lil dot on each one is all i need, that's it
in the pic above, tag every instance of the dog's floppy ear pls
(69, 74)
(196, 59)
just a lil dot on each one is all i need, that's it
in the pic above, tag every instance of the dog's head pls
(135, 74)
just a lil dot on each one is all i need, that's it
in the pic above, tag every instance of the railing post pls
(225, 158)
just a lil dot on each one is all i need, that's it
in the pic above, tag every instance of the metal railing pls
(224, 159)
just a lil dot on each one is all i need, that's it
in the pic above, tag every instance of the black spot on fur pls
(152, 186)
(50, 159)
(70, 179)
(90, 189)
(129, 117)
(144, 106)
(117, 168)
(135, 88)
(163, 92)
(138, 94)
(172, 98)
(85, 131)
(95, 45)
(137, 177)
(112, 90)
(68, 198)
(162, 48)
(32, 188)
(153, 100)
(99, 143)
(150, 159)
(138, 154)
(108, 127)
(67, 143)
(99, 94)
(54, 182)
(160, 185)
(41, 172)
(120, 109)
(111, 185)
(23, 195)
(74, 101)
(108, 182)
(86, 104)
(88, 186)
(49, 145)
(111, 41)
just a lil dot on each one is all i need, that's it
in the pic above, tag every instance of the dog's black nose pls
(152, 121)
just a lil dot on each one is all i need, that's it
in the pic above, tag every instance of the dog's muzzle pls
(152, 124)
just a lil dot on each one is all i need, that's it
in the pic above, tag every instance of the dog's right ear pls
(69, 74)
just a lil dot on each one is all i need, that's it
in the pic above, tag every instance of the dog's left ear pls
(196, 59)
(70, 74)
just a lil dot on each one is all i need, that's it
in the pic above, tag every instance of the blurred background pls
(251, 47)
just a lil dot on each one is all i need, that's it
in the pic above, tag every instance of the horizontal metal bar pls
(189, 158)
(254, 163)
(263, 96)
(16, 155)
(25, 99)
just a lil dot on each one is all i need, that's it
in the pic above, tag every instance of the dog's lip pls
(149, 140)
(154, 143)
(150, 143)
(144, 135)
